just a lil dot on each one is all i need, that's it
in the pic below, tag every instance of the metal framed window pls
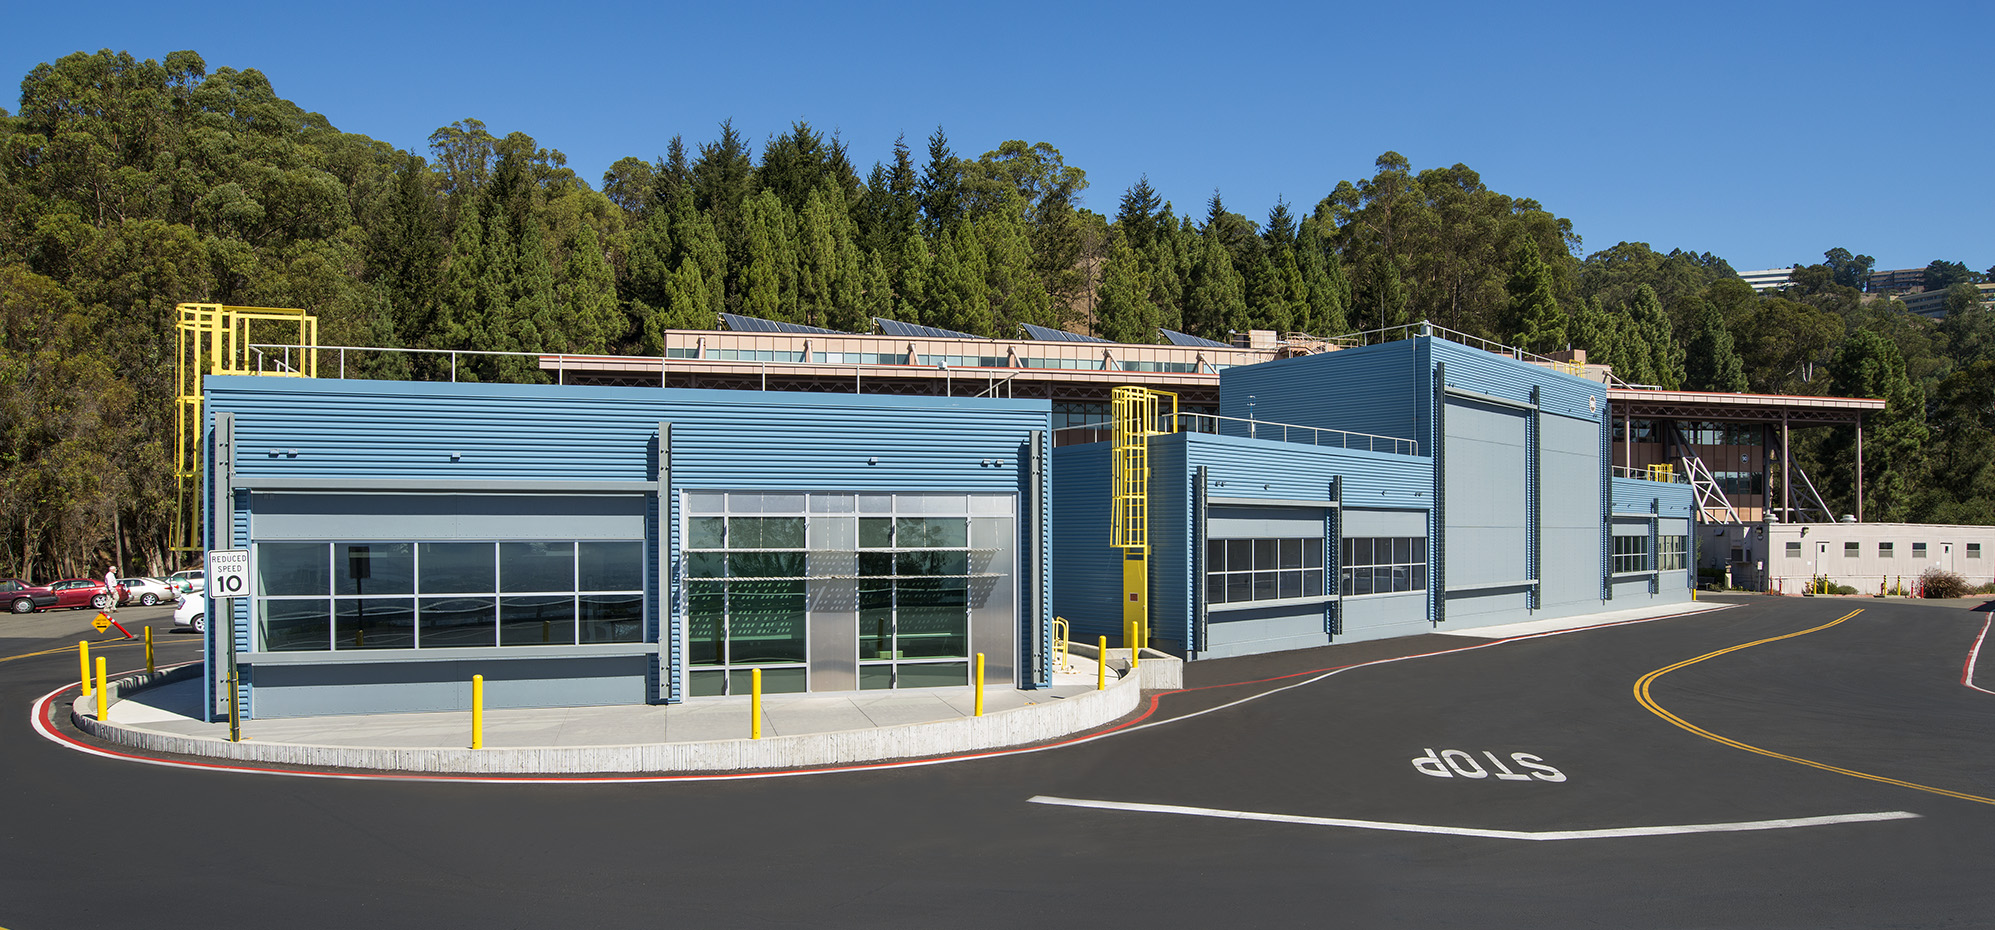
(343, 596)
(1631, 554)
(1851, 550)
(920, 562)
(1886, 550)
(1240, 571)
(1382, 565)
(1672, 553)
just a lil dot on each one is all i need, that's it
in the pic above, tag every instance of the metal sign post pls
(228, 579)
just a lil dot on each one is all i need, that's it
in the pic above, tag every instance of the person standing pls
(111, 583)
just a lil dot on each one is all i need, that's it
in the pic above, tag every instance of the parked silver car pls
(147, 591)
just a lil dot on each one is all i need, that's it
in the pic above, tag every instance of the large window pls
(919, 564)
(1672, 552)
(1238, 571)
(1631, 554)
(1383, 565)
(433, 595)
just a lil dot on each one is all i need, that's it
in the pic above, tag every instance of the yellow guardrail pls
(1061, 652)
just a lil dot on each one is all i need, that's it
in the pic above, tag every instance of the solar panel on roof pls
(748, 324)
(918, 331)
(1049, 334)
(1187, 339)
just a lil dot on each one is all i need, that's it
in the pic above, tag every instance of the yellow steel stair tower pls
(216, 340)
(1135, 415)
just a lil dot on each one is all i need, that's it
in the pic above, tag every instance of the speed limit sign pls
(228, 572)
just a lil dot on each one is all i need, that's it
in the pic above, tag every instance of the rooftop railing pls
(1666, 474)
(1214, 424)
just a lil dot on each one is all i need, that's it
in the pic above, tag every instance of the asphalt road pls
(89, 842)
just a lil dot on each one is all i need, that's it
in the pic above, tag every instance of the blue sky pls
(1766, 133)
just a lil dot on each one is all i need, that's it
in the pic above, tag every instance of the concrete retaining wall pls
(1015, 727)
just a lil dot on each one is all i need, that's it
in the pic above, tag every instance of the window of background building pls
(1238, 571)
(1793, 550)
(1671, 552)
(1631, 554)
(1852, 550)
(432, 595)
(1974, 550)
(1885, 550)
(1918, 550)
(1383, 565)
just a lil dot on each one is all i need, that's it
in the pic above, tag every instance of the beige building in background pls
(1864, 555)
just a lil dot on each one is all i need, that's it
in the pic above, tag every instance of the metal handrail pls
(1278, 432)
(1661, 476)
(1062, 650)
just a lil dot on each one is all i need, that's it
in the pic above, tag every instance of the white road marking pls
(1616, 833)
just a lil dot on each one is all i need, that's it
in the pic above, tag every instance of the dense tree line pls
(128, 186)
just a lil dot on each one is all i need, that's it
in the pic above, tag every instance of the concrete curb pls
(1014, 727)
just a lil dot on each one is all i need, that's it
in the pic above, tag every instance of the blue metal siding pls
(1268, 470)
(1635, 495)
(318, 429)
(722, 439)
(1086, 573)
(1497, 376)
(1173, 551)
(1373, 389)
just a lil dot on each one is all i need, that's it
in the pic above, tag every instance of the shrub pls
(1988, 588)
(1938, 582)
(1845, 589)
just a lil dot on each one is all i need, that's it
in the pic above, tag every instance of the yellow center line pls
(1642, 695)
(100, 644)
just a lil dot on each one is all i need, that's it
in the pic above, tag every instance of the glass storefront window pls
(905, 562)
(434, 595)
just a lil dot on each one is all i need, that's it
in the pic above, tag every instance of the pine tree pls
(1711, 362)
(1538, 323)
(587, 296)
(959, 288)
(1665, 356)
(1125, 312)
(1870, 365)
(941, 186)
(1216, 303)
(768, 276)
(1137, 217)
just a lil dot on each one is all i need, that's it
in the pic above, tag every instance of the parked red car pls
(78, 593)
(22, 597)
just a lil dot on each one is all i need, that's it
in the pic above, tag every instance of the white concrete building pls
(1767, 279)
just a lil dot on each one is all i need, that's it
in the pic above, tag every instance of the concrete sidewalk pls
(798, 730)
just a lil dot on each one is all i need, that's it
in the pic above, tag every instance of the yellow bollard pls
(83, 659)
(755, 704)
(1101, 664)
(149, 667)
(103, 693)
(980, 685)
(477, 712)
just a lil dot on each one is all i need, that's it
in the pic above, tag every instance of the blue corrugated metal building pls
(600, 545)
(1371, 492)
(603, 545)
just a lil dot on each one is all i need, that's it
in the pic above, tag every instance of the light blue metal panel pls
(1498, 376)
(1571, 536)
(1268, 470)
(1087, 574)
(1635, 495)
(1373, 389)
(1485, 537)
(409, 430)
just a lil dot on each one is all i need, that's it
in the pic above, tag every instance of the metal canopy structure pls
(1784, 411)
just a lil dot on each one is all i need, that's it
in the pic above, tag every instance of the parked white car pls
(146, 591)
(193, 611)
